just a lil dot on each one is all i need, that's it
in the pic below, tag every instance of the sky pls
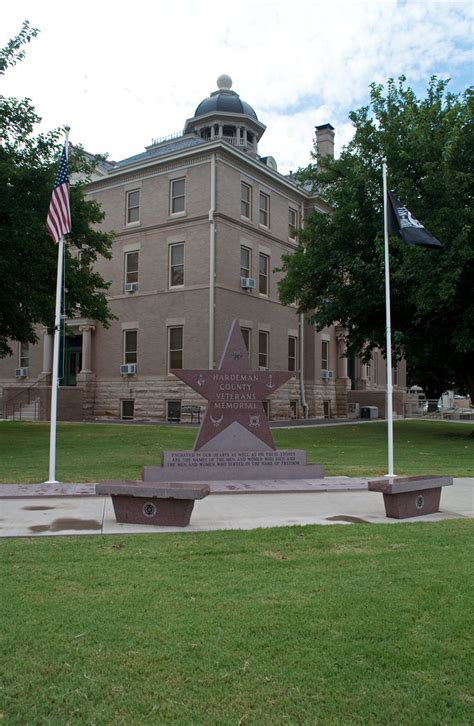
(121, 73)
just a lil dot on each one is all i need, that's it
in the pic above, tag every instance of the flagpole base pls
(51, 481)
(392, 476)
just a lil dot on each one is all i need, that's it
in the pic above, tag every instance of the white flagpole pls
(388, 328)
(57, 341)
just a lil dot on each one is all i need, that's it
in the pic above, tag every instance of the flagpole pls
(388, 328)
(57, 341)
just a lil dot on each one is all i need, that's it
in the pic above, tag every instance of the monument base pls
(410, 496)
(208, 466)
(225, 473)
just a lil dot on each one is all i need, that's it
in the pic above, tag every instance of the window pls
(177, 265)
(175, 348)
(266, 408)
(263, 265)
(292, 223)
(327, 409)
(263, 349)
(246, 335)
(245, 261)
(292, 350)
(127, 409)
(246, 201)
(130, 340)
(293, 409)
(375, 360)
(264, 209)
(368, 370)
(325, 355)
(133, 206)
(395, 376)
(24, 355)
(177, 195)
(173, 411)
(131, 267)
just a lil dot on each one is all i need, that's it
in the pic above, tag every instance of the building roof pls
(166, 147)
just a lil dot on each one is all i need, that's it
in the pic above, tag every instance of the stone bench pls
(162, 504)
(410, 496)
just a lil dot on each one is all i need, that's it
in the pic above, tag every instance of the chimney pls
(325, 140)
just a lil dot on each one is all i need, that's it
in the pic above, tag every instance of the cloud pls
(123, 74)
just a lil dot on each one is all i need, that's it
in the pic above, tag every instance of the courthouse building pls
(201, 223)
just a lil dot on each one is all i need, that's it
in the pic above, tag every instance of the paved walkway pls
(231, 486)
(336, 502)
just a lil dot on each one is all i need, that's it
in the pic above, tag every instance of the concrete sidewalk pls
(41, 516)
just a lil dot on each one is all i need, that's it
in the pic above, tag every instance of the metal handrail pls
(28, 389)
(20, 408)
(230, 139)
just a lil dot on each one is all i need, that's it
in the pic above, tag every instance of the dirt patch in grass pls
(347, 518)
(62, 525)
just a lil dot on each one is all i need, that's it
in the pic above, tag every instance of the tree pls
(337, 272)
(28, 257)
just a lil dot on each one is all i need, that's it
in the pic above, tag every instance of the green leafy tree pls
(28, 256)
(337, 272)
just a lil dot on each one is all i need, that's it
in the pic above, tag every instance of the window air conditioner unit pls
(247, 283)
(128, 369)
(326, 375)
(263, 368)
(21, 372)
(131, 286)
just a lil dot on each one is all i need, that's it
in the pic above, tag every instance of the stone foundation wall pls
(102, 399)
(317, 394)
(150, 398)
(343, 385)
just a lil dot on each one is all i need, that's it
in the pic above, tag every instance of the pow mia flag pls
(409, 229)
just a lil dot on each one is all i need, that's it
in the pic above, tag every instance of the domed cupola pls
(223, 115)
(224, 100)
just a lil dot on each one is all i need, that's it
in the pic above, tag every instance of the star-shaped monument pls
(235, 418)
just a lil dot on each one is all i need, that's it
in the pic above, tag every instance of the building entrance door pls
(351, 370)
(72, 360)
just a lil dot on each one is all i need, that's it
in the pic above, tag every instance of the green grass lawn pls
(94, 452)
(359, 624)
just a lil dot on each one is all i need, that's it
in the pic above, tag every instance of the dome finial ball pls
(224, 83)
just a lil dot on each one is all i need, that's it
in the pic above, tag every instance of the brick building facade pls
(201, 223)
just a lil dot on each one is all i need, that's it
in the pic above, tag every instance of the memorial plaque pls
(281, 457)
(235, 418)
(234, 440)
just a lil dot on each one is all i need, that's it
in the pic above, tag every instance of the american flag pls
(58, 221)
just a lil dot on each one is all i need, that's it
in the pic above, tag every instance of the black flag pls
(409, 229)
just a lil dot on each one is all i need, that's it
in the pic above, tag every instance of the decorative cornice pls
(192, 156)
